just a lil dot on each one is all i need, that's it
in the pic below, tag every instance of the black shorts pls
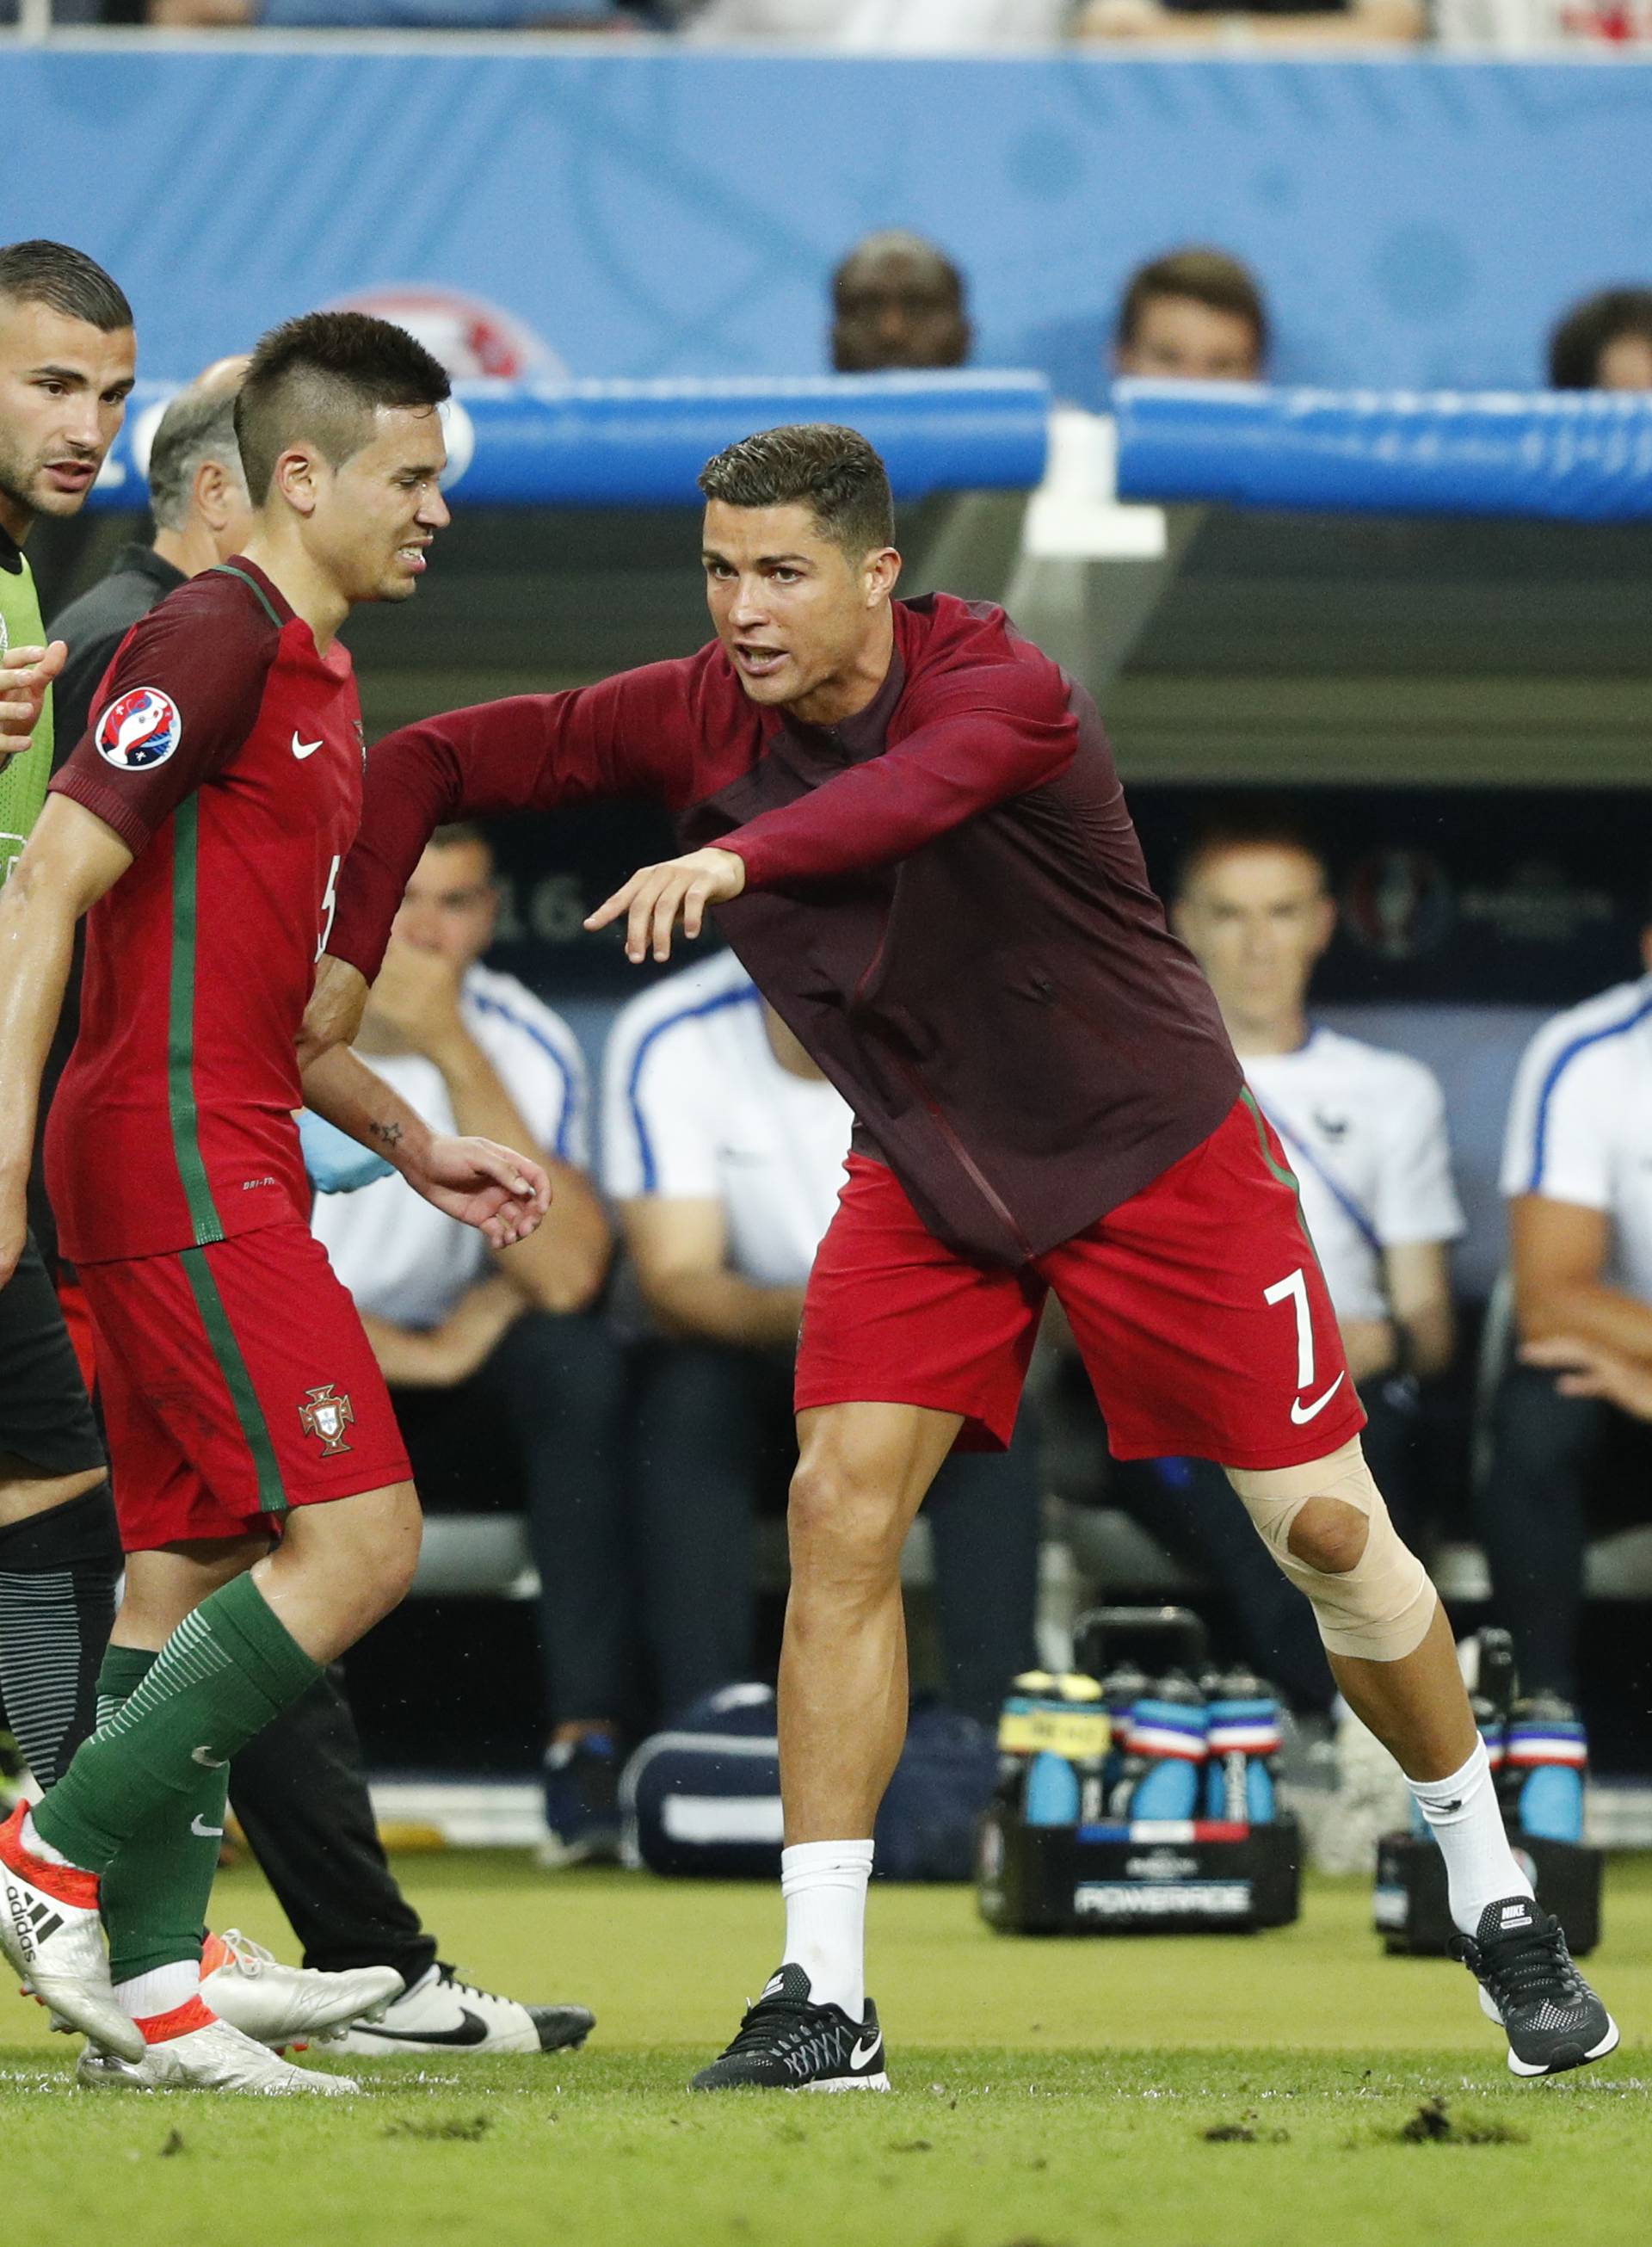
(45, 1415)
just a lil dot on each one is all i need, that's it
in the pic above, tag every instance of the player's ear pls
(213, 494)
(880, 570)
(297, 478)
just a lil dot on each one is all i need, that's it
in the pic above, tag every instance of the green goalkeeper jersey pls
(23, 778)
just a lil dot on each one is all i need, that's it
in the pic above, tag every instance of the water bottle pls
(1122, 1688)
(1052, 1737)
(1544, 1762)
(1244, 1736)
(1051, 1795)
(1169, 1733)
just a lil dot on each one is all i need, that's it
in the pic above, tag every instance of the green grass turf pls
(1049, 2094)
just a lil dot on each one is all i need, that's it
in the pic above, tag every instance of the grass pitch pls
(1185, 2092)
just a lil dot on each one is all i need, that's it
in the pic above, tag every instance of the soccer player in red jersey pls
(908, 822)
(264, 1496)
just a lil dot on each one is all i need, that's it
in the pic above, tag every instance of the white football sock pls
(1463, 1815)
(160, 1990)
(824, 1885)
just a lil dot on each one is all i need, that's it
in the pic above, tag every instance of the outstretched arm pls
(972, 753)
(70, 860)
(527, 753)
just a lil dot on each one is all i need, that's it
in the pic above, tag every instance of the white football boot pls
(440, 2014)
(50, 1931)
(212, 2057)
(277, 2004)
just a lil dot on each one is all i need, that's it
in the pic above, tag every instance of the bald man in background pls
(898, 301)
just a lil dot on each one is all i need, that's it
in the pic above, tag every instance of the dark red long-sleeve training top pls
(945, 900)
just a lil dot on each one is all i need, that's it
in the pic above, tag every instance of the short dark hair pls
(1578, 342)
(323, 376)
(820, 464)
(67, 280)
(1259, 824)
(460, 830)
(1209, 277)
(198, 426)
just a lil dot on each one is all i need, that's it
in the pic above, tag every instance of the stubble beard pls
(16, 491)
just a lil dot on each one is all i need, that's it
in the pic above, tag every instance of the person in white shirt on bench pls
(1365, 1132)
(1569, 1452)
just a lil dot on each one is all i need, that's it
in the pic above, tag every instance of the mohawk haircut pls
(819, 465)
(322, 378)
(65, 280)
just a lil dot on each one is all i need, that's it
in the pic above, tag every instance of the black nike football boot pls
(788, 2042)
(1554, 2021)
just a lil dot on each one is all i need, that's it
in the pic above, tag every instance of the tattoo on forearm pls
(390, 1133)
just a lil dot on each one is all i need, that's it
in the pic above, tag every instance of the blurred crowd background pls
(931, 26)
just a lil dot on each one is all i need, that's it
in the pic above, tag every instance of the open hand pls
(656, 896)
(25, 673)
(1586, 1368)
(501, 1193)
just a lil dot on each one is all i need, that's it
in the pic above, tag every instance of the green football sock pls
(156, 1892)
(225, 1672)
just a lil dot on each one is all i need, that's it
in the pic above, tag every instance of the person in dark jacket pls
(907, 820)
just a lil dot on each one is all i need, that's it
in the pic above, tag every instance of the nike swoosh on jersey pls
(865, 2055)
(206, 1759)
(471, 2030)
(303, 750)
(1303, 1413)
(206, 1833)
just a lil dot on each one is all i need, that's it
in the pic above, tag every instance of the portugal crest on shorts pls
(139, 728)
(327, 1416)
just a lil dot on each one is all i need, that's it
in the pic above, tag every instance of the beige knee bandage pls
(1380, 1610)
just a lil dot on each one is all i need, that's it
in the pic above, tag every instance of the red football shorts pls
(236, 1383)
(1198, 1306)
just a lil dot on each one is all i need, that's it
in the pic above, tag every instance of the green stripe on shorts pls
(273, 1496)
(1282, 1171)
(1285, 1176)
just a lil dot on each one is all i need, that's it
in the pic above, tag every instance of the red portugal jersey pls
(225, 752)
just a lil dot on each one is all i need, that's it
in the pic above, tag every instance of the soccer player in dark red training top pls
(908, 822)
(264, 1493)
